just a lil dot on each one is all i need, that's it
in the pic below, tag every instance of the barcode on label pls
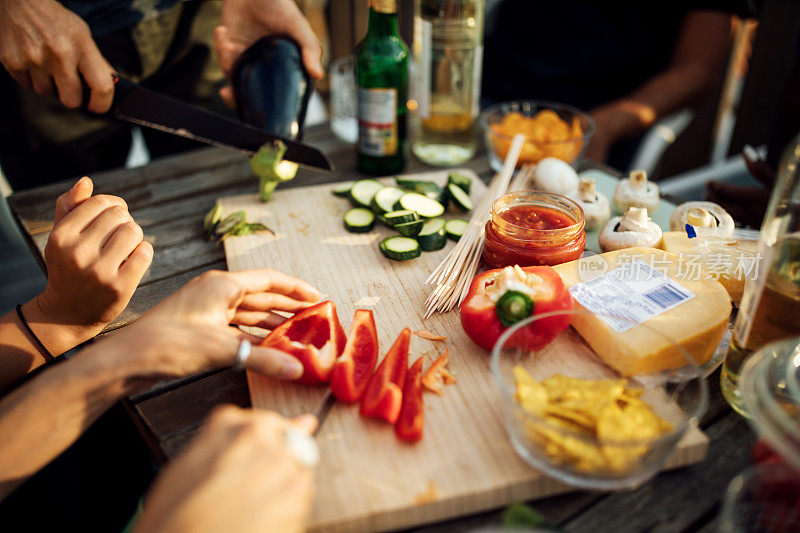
(667, 296)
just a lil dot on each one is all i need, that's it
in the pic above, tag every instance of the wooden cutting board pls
(367, 479)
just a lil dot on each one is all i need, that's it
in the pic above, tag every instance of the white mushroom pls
(630, 230)
(555, 175)
(702, 215)
(636, 191)
(594, 204)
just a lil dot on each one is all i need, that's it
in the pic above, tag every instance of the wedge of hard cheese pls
(696, 323)
(729, 264)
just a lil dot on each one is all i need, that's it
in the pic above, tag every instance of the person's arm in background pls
(246, 21)
(187, 333)
(238, 474)
(699, 56)
(47, 47)
(95, 257)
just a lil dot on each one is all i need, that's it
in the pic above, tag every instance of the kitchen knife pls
(324, 408)
(144, 107)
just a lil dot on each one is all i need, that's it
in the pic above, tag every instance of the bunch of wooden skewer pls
(455, 273)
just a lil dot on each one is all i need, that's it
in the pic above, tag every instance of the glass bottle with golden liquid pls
(448, 55)
(770, 308)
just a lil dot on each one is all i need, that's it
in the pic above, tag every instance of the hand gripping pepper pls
(354, 367)
(485, 319)
(314, 337)
(409, 424)
(384, 394)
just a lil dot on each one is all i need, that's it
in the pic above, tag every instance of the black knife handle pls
(122, 87)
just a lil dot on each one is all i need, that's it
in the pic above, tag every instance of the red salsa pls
(537, 217)
(533, 228)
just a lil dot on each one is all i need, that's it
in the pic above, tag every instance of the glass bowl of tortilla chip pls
(550, 129)
(575, 419)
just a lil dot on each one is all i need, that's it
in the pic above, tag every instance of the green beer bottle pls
(382, 92)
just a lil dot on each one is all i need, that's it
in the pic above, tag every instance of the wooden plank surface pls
(367, 479)
(160, 194)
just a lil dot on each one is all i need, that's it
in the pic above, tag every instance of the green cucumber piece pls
(409, 229)
(359, 220)
(343, 189)
(432, 235)
(424, 206)
(460, 180)
(393, 218)
(459, 197)
(425, 188)
(363, 191)
(400, 248)
(384, 199)
(455, 228)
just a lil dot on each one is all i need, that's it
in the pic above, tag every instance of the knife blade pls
(139, 105)
(323, 409)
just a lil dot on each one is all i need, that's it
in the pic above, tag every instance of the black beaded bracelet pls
(47, 354)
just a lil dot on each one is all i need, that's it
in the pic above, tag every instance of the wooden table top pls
(169, 197)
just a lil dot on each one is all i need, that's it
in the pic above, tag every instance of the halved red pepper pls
(384, 395)
(314, 337)
(354, 367)
(412, 413)
(483, 324)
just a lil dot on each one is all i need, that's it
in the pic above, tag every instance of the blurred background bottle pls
(448, 53)
(770, 308)
(382, 92)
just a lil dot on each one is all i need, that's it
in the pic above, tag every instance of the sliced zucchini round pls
(393, 218)
(460, 180)
(400, 248)
(363, 191)
(432, 235)
(385, 199)
(424, 206)
(455, 228)
(359, 220)
(409, 229)
(343, 189)
(459, 197)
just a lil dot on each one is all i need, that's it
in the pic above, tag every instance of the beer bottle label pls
(377, 122)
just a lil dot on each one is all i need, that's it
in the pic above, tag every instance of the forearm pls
(666, 93)
(698, 59)
(19, 351)
(43, 417)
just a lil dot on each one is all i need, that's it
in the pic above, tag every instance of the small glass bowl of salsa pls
(533, 228)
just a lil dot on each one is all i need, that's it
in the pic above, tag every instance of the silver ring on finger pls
(302, 446)
(243, 353)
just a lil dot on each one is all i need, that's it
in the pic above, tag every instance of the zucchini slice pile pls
(413, 208)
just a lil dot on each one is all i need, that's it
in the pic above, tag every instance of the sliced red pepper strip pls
(354, 367)
(438, 376)
(314, 337)
(412, 414)
(384, 395)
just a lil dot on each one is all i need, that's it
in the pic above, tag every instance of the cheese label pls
(630, 294)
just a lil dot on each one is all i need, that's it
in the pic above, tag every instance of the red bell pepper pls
(354, 367)
(384, 394)
(412, 413)
(315, 337)
(485, 319)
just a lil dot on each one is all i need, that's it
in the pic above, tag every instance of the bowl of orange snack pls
(550, 130)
